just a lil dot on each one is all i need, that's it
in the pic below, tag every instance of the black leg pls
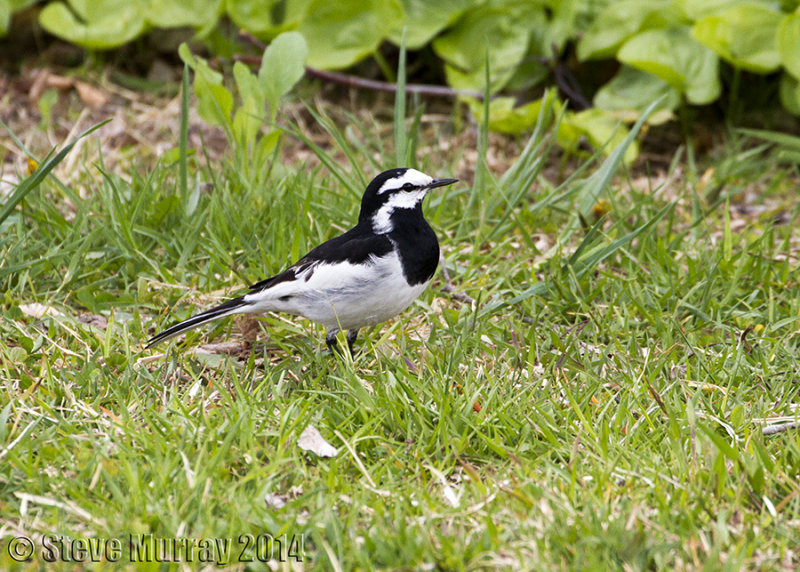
(330, 339)
(351, 339)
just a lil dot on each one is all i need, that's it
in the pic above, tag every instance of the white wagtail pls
(363, 277)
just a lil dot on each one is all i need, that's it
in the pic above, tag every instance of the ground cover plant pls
(587, 389)
(611, 59)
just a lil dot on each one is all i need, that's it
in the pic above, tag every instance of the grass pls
(610, 418)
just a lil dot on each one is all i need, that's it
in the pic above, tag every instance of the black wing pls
(354, 246)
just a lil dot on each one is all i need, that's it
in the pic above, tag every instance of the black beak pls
(441, 183)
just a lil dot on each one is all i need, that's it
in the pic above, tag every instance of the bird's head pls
(395, 189)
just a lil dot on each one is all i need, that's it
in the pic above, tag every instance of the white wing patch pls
(410, 176)
(342, 295)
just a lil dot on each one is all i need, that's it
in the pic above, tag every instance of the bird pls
(360, 278)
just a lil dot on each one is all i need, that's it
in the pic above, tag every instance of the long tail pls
(226, 309)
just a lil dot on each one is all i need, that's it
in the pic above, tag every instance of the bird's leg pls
(351, 339)
(330, 339)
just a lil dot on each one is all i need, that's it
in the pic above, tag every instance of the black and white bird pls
(361, 278)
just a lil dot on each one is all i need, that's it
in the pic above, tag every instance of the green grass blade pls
(593, 187)
(400, 142)
(782, 139)
(33, 181)
(327, 159)
(184, 134)
(592, 260)
(587, 241)
(518, 180)
(330, 127)
(482, 174)
(580, 267)
(66, 190)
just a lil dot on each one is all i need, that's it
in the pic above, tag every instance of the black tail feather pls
(220, 311)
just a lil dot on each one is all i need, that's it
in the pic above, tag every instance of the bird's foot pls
(335, 348)
(351, 340)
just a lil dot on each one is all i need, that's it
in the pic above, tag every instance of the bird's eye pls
(408, 187)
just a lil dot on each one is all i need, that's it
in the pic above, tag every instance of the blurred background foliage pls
(613, 57)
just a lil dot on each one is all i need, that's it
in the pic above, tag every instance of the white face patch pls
(410, 176)
(382, 221)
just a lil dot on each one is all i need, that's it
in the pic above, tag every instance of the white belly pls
(344, 296)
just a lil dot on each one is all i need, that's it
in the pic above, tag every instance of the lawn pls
(588, 388)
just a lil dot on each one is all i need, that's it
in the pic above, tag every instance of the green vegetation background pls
(593, 397)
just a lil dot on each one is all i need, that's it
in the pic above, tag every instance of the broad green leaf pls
(95, 24)
(530, 72)
(425, 19)
(504, 28)
(173, 155)
(559, 28)
(790, 93)
(562, 25)
(514, 120)
(267, 18)
(788, 41)
(266, 145)
(199, 65)
(505, 118)
(247, 84)
(246, 121)
(600, 128)
(694, 10)
(5, 16)
(175, 13)
(339, 34)
(214, 102)
(677, 58)
(250, 114)
(743, 35)
(7, 9)
(282, 67)
(633, 90)
(621, 20)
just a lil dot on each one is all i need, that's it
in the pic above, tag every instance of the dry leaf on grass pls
(311, 440)
(275, 501)
(97, 320)
(36, 310)
(89, 94)
(227, 348)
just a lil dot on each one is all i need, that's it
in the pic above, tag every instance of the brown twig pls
(360, 83)
(743, 338)
(353, 81)
(564, 79)
(252, 40)
(780, 428)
